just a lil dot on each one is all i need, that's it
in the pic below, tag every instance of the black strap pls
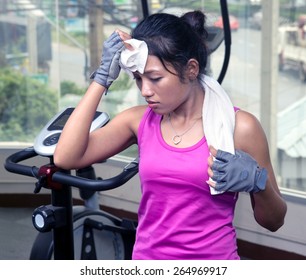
(227, 39)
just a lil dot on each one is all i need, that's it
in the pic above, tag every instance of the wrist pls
(260, 179)
(100, 79)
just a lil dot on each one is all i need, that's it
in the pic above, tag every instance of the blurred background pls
(48, 48)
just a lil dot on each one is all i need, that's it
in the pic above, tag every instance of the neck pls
(191, 109)
(177, 137)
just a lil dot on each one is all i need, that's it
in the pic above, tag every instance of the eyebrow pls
(153, 71)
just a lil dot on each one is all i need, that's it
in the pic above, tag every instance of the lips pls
(152, 103)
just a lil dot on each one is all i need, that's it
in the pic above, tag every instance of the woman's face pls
(163, 91)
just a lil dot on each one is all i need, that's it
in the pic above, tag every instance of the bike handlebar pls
(12, 165)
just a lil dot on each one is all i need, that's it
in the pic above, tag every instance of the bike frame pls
(60, 213)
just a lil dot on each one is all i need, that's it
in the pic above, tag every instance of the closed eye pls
(155, 79)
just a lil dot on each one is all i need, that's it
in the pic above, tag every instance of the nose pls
(145, 89)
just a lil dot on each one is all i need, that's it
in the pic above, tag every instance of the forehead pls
(154, 64)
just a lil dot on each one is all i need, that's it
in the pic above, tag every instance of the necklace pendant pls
(176, 139)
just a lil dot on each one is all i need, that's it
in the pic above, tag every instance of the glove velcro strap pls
(93, 74)
(260, 179)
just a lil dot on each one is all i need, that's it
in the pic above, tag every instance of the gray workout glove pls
(109, 68)
(238, 173)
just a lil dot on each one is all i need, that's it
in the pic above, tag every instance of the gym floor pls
(17, 233)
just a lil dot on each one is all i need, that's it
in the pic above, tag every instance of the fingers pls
(224, 156)
(213, 151)
(124, 37)
(219, 155)
(113, 41)
(128, 46)
(215, 165)
(211, 183)
(210, 171)
(210, 161)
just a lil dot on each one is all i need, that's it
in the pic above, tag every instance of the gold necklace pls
(177, 138)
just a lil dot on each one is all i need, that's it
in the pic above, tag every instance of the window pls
(49, 48)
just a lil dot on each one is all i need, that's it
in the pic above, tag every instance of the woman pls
(180, 216)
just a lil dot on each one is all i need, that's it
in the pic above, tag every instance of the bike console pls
(45, 144)
(47, 139)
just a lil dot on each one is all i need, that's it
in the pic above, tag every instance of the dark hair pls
(175, 39)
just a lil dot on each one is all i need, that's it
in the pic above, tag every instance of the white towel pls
(218, 117)
(218, 110)
(136, 59)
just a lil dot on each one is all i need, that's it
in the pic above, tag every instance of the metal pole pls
(96, 30)
(32, 43)
(269, 74)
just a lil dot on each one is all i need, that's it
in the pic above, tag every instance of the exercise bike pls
(68, 231)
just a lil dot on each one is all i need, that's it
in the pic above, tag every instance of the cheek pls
(174, 86)
(177, 92)
(173, 98)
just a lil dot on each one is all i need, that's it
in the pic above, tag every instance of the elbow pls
(274, 221)
(280, 220)
(60, 160)
(272, 226)
(275, 226)
(67, 161)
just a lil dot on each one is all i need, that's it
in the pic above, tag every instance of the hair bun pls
(197, 20)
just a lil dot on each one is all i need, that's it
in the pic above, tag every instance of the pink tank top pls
(178, 217)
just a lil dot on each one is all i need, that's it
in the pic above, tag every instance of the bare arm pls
(78, 148)
(268, 205)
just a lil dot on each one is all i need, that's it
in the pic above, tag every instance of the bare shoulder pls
(130, 117)
(249, 135)
(246, 122)
(135, 112)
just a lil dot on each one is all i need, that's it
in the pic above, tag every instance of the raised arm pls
(77, 147)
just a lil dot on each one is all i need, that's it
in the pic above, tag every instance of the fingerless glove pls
(109, 66)
(238, 173)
